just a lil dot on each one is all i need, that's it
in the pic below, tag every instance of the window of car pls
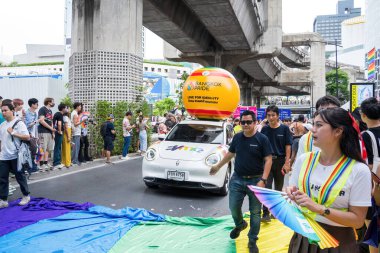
(196, 133)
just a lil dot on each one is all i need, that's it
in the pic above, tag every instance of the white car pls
(185, 156)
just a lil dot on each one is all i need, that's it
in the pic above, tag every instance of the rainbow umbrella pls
(83, 117)
(289, 213)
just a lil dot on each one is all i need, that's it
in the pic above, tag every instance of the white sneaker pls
(125, 158)
(3, 203)
(24, 200)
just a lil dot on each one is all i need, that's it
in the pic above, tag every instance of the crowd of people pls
(330, 168)
(324, 167)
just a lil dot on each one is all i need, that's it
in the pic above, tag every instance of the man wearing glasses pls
(253, 160)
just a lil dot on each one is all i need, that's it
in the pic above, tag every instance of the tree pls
(179, 91)
(13, 64)
(163, 106)
(67, 101)
(343, 92)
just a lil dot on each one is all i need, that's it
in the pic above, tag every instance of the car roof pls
(202, 122)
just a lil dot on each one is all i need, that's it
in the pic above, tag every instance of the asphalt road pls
(121, 185)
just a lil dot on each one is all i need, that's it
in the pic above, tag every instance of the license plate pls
(176, 175)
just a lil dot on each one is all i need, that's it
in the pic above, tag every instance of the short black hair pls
(32, 101)
(128, 113)
(247, 113)
(301, 118)
(327, 100)
(6, 101)
(273, 108)
(9, 105)
(61, 106)
(76, 105)
(371, 108)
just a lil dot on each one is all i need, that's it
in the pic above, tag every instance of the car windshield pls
(196, 133)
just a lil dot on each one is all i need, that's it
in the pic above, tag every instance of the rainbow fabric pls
(292, 216)
(46, 225)
(371, 63)
(309, 142)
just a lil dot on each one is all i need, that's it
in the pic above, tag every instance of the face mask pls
(52, 105)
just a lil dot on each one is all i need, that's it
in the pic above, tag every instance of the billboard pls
(240, 109)
(359, 92)
(284, 113)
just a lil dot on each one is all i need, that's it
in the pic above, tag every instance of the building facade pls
(372, 44)
(329, 26)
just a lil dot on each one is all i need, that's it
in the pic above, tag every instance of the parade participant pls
(1, 115)
(84, 155)
(332, 184)
(12, 132)
(143, 137)
(19, 111)
(127, 130)
(109, 138)
(76, 132)
(46, 131)
(58, 138)
(281, 140)
(306, 142)
(370, 114)
(31, 122)
(253, 160)
(66, 143)
(237, 126)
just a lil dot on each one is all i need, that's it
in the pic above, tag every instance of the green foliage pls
(343, 92)
(163, 106)
(15, 64)
(102, 109)
(179, 91)
(164, 63)
(67, 101)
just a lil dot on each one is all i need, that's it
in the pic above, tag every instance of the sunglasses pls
(248, 122)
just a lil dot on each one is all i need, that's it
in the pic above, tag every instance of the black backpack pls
(103, 129)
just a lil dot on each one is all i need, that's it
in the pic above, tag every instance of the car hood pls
(188, 151)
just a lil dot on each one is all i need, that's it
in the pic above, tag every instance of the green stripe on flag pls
(179, 234)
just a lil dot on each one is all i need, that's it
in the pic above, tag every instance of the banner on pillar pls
(359, 92)
(240, 109)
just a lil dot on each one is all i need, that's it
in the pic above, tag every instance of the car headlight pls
(212, 159)
(151, 154)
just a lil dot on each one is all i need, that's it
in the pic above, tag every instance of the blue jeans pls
(57, 149)
(127, 142)
(238, 190)
(75, 149)
(143, 140)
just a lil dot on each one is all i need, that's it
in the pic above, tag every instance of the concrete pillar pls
(317, 66)
(106, 61)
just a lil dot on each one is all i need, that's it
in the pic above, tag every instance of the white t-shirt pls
(356, 192)
(76, 129)
(126, 124)
(301, 146)
(67, 120)
(8, 148)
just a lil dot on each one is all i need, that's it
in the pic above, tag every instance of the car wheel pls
(151, 185)
(224, 190)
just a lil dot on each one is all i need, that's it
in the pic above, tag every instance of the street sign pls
(285, 113)
(360, 92)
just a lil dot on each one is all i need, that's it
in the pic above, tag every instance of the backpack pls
(376, 158)
(24, 159)
(103, 129)
(375, 168)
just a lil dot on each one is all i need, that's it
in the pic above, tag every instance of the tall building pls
(329, 26)
(372, 43)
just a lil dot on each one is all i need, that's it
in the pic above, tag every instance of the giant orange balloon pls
(211, 93)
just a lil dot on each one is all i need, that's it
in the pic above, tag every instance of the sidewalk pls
(84, 166)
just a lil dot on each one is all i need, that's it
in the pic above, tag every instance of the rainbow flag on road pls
(46, 225)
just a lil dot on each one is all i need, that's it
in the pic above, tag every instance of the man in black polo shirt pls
(281, 140)
(253, 160)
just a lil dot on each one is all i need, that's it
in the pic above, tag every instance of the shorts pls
(46, 141)
(108, 143)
